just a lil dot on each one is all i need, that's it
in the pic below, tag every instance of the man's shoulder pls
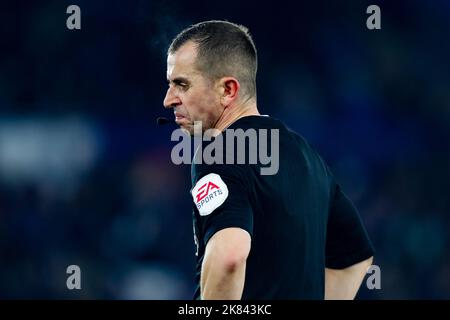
(199, 170)
(257, 122)
(270, 123)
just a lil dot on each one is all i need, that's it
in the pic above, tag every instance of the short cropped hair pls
(223, 49)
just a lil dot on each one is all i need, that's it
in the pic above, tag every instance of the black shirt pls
(299, 219)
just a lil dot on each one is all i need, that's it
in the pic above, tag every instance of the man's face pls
(192, 95)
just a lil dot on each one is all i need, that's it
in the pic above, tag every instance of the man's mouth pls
(179, 117)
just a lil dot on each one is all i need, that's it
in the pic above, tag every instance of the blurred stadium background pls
(86, 176)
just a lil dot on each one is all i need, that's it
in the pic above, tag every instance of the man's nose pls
(171, 100)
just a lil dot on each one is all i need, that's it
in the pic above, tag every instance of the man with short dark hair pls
(288, 235)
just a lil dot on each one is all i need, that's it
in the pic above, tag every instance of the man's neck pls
(230, 115)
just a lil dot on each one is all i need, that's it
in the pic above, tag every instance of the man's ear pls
(230, 88)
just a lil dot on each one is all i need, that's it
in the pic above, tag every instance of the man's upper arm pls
(221, 197)
(232, 245)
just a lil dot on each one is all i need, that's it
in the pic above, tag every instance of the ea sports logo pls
(204, 190)
(209, 193)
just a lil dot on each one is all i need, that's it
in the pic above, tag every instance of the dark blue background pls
(86, 176)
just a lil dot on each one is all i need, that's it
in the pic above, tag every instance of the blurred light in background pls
(51, 153)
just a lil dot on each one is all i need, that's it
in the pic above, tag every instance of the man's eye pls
(179, 84)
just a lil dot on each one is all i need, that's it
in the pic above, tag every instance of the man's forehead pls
(183, 58)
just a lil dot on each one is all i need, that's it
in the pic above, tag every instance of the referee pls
(289, 235)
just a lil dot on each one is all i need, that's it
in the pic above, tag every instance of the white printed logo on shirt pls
(209, 193)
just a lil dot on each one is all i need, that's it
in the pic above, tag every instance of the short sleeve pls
(220, 196)
(347, 241)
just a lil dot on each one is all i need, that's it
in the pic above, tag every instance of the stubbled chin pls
(190, 127)
(187, 127)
